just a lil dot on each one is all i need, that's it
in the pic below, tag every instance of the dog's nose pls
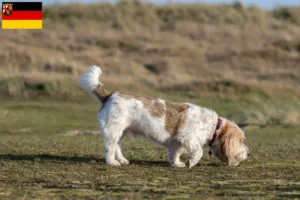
(248, 154)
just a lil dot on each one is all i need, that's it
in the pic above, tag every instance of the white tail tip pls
(90, 79)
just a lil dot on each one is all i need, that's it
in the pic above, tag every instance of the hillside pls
(227, 51)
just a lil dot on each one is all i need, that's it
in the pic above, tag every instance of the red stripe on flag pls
(19, 15)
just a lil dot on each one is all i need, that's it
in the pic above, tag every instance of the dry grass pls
(227, 52)
(159, 46)
(269, 115)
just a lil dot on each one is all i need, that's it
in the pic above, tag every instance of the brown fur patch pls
(156, 109)
(175, 113)
(102, 93)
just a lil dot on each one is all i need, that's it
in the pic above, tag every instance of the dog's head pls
(229, 145)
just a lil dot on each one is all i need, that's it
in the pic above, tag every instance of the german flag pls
(22, 15)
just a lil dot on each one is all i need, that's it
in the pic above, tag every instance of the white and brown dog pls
(181, 127)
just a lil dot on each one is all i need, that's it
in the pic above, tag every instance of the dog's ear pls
(229, 139)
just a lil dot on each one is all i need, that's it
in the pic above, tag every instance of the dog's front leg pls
(196, 155)
(174, 156)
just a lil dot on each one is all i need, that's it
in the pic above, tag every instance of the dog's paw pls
(180, 165)
(124, 161)
(113, 163)
(192, 163)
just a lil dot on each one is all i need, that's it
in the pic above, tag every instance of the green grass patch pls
(39, 162)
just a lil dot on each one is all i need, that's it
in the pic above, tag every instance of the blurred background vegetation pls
(244, 59)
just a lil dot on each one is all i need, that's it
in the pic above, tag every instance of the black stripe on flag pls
(25, 6)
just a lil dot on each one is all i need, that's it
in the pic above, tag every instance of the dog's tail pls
(89, 81)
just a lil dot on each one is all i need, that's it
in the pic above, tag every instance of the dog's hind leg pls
(112, 134)
(112, 125)
(119, 155)
(110, 147)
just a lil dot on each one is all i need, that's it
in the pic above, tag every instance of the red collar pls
(215, 133)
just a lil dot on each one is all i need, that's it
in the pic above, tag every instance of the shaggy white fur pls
(90, 80)
(121, 116)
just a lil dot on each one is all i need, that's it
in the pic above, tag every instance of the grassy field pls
(42, 157)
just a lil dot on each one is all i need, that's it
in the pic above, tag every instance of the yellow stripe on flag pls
(22, 24)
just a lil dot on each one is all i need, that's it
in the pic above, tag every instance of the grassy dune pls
(241, 61)
(230, 51)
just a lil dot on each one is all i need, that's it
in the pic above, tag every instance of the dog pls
(180, 127)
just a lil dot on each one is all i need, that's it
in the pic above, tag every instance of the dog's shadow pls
(77, 159)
